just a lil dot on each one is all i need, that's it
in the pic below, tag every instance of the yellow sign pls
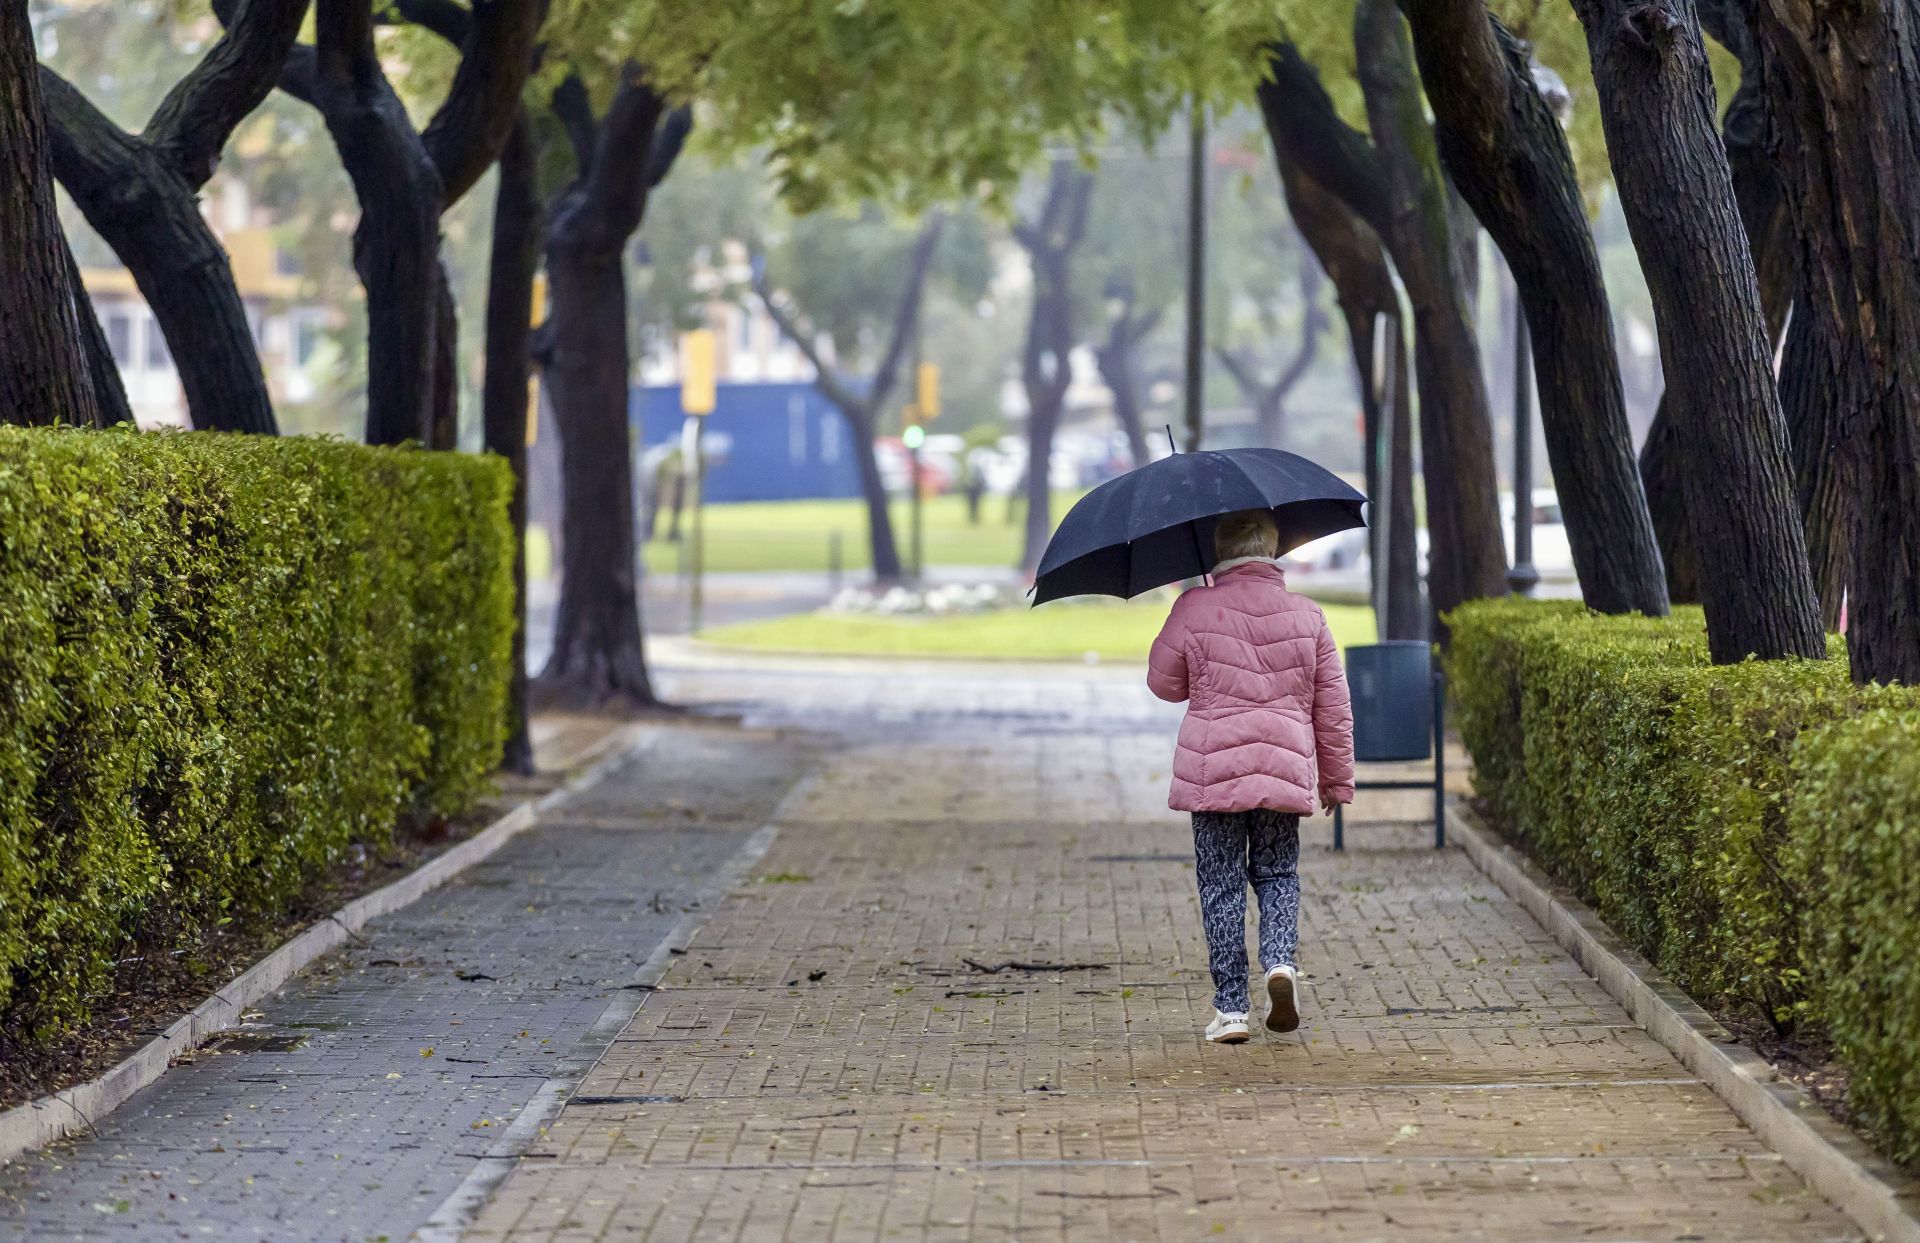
(535, 318)
(926, 393)
(696, 371)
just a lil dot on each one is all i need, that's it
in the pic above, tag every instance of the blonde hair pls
(1247, 533)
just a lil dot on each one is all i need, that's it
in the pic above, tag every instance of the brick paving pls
(834, 1059)
(841, 1055)
(363, 1091)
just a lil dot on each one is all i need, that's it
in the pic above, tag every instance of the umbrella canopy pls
(1154, 525)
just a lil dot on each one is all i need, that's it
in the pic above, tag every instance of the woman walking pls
(1268, 727)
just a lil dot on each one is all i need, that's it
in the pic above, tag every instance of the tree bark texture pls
(1046, 366)
(598, 654)
(1507, 155)
(1843, 86)
(43, 361)
(511, 267)
(862, 408)
(140, 193)
(1466, 557)
(1656, 99)
(1756, 185)
(1351, 255)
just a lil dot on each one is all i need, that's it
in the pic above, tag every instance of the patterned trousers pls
(1230, 850)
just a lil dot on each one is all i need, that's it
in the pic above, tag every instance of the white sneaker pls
(1283, 989)
(1227, 1028)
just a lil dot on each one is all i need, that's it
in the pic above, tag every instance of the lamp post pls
(1196, 270)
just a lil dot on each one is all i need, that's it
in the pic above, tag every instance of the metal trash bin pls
(1391, 685)
(1399, 713)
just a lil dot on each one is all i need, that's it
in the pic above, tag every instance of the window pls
(796, 430)
(829, 439)
(158, 359)
(119, 326)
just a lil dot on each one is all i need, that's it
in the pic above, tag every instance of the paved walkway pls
(958, 999)
(843, 1056)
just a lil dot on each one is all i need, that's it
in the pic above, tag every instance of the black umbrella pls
(1154, 525)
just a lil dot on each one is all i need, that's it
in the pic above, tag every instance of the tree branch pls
(829, 381)
(470, 126)
(343, 41)
(616, 183)
(668, 141)
(1242, 372)
(906, 316)
(574, 110)
(194, 121)
(1301, 118)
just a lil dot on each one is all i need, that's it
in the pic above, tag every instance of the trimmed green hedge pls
(1704, 811)
(226, 659)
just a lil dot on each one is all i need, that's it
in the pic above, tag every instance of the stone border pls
(1879, 1197)
(40, 1122)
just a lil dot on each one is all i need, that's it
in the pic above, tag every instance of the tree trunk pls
(103, 373)
(1351, 255)
(1663, 470)
(1507, 155)
(873, 490)
(141, 194)
(444, 423)
(511, 266)
(1844, 90)
(597, 653)
(1656, 100)
(1115, 358)
(598, 657)
(1046, 368)
(43, 361)
(1756, 186)
(1466, 556)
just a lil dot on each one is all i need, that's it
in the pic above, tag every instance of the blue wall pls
(765, 442)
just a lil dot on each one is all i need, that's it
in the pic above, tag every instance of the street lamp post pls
(1196, 271)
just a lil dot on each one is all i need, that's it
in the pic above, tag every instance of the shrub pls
(1856, 830)
(226, 659)
(1714, 816)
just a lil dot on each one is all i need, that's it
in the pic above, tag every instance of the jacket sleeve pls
(1332, 720)
(1167, 659)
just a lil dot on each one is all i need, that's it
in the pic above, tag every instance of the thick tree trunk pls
(1809, 391)
(1844, 87)
(1046, 365)
(1507, 155)
(511, 266)
(1756, 186)
(1466, 556)
(1350, 253)
(598, 657)
(43, 361)
(597, 653)
(1656, 100)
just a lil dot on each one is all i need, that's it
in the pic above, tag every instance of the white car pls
(1552, 555)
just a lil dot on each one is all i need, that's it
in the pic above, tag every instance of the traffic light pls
(696, 371)
(914, 436)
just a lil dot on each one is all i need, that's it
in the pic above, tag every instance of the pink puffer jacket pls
(1268, 720)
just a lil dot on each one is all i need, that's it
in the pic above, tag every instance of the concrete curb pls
(41, 1122)
(1880, 1198)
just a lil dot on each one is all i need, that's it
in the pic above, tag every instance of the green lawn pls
(1060, 631)
(796, 535)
